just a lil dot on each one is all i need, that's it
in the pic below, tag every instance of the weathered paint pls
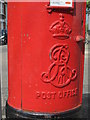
(45, 56)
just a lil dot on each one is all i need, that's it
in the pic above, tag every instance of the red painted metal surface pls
(14, 55)
(45, 56)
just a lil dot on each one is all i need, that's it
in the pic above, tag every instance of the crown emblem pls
(60, 29)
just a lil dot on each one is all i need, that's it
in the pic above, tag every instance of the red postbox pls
(45, 58)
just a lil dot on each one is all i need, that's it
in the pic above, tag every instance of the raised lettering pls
(43, 95)
(48, 95)
(38, 94)
(60, 95)
(53, 94)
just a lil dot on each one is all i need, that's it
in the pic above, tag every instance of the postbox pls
(45, 58)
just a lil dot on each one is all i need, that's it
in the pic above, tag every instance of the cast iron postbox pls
(45, 57)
